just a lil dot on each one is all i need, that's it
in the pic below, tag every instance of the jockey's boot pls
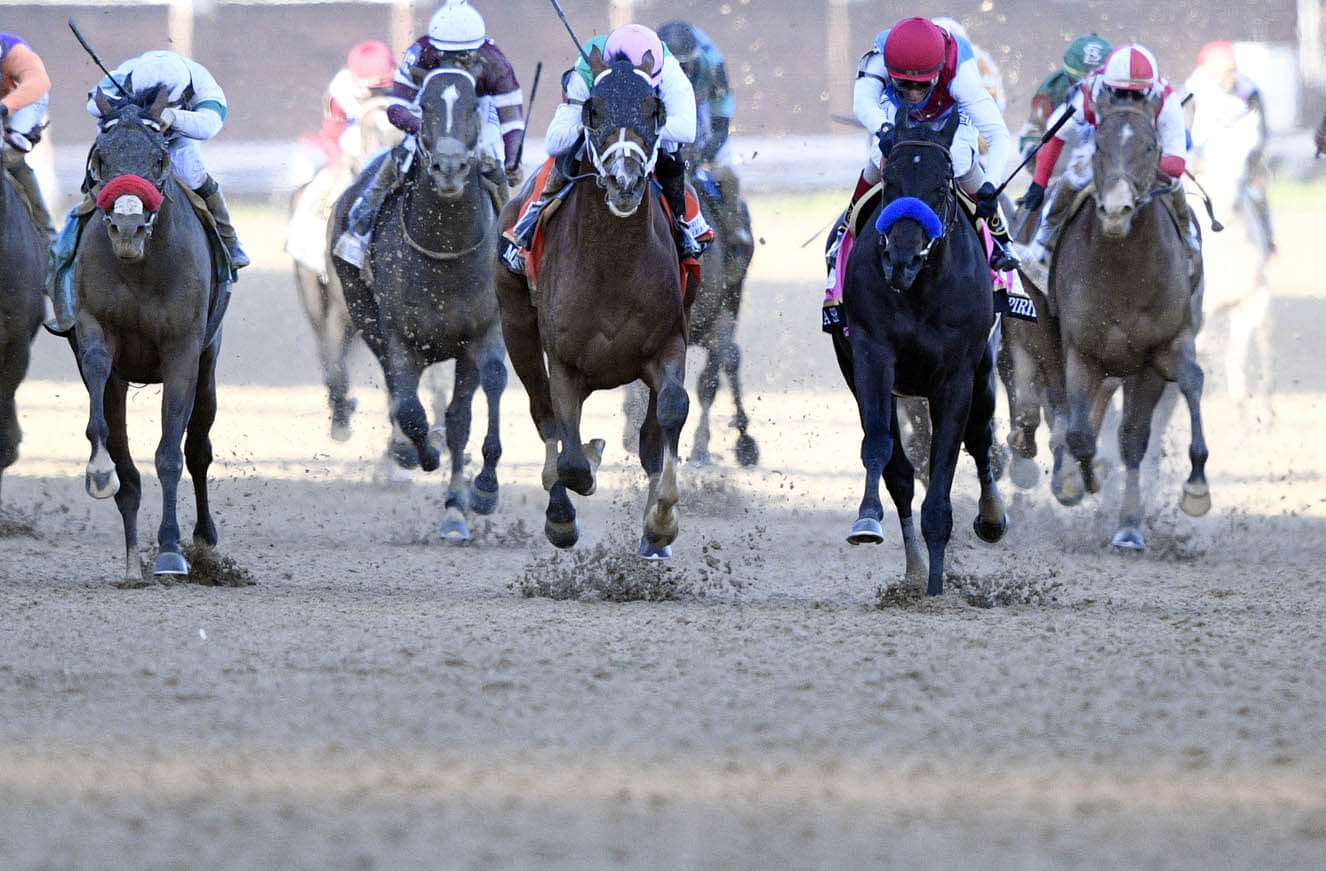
(495, 176)
(1192, 234)
(27, 181)
(1002, 258)
(60, 276)
(522, 234)
(210, 191)
(353, 243)
(840, 228)
(1035, 258)
(730, 190)
(671, 170)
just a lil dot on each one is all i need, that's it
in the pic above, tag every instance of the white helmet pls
(456, 26)
(1131, 68)
(160, 67)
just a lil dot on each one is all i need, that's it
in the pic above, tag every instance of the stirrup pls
(238, 259)
(351, 248)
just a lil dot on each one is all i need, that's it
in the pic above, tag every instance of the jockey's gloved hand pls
(515, 176)
(987, 201)
(1034, 196)
(885, 136)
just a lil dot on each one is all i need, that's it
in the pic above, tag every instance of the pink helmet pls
(635, 41)
(1131, 68)
(371, 63)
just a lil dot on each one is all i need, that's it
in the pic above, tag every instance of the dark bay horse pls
(22, 271)
(920, 322)
(145, 285)
(429, 297)
(1128, 311)
(608, 307)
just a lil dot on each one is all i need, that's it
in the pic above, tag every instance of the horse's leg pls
(492, 378)
(458, 415)
(179, 385)
(917, 443)
(729, 353)
(13, 366)
(949, 412)
(706, 389)
(198, 446)
(402, 372)
(900, 479)
(1082, 379)
(338, 335)
(1141, 392)
(668, 407)
(872, 374)
(1026, 388)
(130, 493)
(94, 362)
(1099, 469)
(520, 332)
(574, 468)
(991, 520)
(635, 399)
(1196, 499)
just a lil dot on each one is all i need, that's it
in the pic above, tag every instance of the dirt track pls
(380, 699)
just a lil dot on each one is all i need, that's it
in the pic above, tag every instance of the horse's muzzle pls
(449, 167)
(129, 235)
(1115, 208)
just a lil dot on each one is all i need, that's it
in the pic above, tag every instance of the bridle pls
(948, 209)
(449, 104)
(1140, 196)
(144, 126)
(627, 148)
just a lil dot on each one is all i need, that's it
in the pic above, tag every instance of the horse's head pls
(622, 120)
(919, 202)
(450, 128)
(128, 167)
(1125, 160)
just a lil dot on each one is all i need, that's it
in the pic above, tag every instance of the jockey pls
(991, 76)
(1229, 120)
(24, 92)
(920, 68)
(1083, 55)
(457, 37)
(1129, 72)
(195, 111)
(703, 65)
(367, 74)
(566, 133)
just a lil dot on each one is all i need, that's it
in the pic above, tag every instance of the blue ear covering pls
(910, 207)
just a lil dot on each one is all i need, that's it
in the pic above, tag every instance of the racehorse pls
(713, 326)
(606, 308)
(22, 270)
(427, 292)
(149, 302)
(1128, 308)
(318, 286)
(920, 322)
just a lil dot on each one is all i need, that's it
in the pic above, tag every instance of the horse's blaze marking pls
(128, 205)
(1125, 135)
(449, 97)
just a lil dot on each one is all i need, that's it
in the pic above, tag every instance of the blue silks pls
(910, 207)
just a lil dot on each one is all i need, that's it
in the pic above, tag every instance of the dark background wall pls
(274, 60)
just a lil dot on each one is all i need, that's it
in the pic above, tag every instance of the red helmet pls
(1218, 56)
(371, 63)
(914, 50)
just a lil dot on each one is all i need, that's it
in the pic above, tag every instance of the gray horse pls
(22, 270)
(1129, 308)
(148, 306)
(427, 292)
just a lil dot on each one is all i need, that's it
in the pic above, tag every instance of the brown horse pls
(22, 270)
(1128, 312)
(148, 311)
(607, 309)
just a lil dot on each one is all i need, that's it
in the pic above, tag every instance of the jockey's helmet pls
(680, 39)
(1217, 56)
(1085, 53)
(1131, 67)
(161, 66)
(914, 53)
(634, 41)
(371, 63)
(456, 26)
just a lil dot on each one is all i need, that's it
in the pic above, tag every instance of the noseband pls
(948, 209)
(622, 146)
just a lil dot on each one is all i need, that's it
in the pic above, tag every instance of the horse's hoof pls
(999, 455)
(437, 438)
(102, 484)
(562, 535)
(701, 457)
(483, 501)
(1196, 499)
(403, 454)
(1100, 470)
(866, 530)
(454, 527)
(748, 454)
(1067, 486)
(340, 432)
(653, 552)
(170, 564)
(429, 459)
(1024, 472)
(1129, 539)
(990, 532)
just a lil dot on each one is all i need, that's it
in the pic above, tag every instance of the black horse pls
(22, 269)
(148, 301)
(429, 292)
(920, 322)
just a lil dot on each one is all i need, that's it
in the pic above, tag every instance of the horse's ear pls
(589, 114)
(655, 110)
(596, 64)
(104, 104)
(646, 64)
(159, 102)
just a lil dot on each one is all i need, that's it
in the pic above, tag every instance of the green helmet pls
(1085, 54)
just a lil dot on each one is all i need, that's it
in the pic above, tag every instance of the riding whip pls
(96, 60)
(1216, 226)
(1049, 134)
(533, 90)
(579, 45)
